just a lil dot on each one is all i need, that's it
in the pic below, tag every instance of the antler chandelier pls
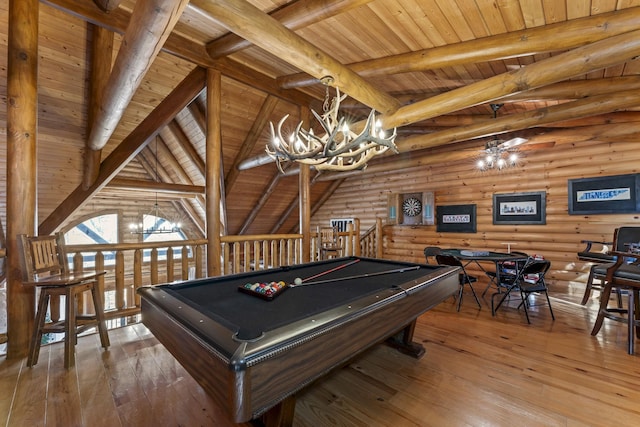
(339, 148)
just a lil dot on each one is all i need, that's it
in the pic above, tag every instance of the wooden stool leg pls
(70, 328)
(36, 337)
(97, 304)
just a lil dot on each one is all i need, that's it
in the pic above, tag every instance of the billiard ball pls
(297, 281)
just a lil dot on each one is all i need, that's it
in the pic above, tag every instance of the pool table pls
(252, 354)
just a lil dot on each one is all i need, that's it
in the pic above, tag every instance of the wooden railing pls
(371, 241)
(259, 252)
(132, 265)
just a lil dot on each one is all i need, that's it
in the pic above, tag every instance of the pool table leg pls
(403, 341)
(280, 415)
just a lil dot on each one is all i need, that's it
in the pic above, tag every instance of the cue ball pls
(297, 281)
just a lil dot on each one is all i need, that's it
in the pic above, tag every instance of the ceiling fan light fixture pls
(500, 154)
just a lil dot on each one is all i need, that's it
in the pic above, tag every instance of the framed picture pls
(456, 218)
(520, 208)
(604, 195)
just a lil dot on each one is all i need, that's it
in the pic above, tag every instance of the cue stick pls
(331, 270)
(359, 276)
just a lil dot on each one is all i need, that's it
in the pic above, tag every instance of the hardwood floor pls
(478, 370)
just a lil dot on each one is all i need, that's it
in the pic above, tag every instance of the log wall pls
(461, 183)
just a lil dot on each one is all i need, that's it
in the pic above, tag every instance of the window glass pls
(101, 229)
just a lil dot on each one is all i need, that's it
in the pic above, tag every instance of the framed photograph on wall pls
(520, 208)
(456, 218)
(604, 195)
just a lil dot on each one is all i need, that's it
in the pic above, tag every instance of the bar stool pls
(328, 243)
(44, 265)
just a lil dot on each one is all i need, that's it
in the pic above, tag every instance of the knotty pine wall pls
(459, 182)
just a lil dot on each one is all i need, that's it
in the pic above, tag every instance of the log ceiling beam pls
(262, 118)
(178, 99)
(101, 59)
(186, 145)
(296, 15)
(177, 191)
(433, 145)
(561, 91)
(264, 31)
(118, 19)
(151, 23)
(576, 32)
(107, 5)
(581, 108)
(576, 62)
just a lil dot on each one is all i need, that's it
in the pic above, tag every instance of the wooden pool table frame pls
(262, 377)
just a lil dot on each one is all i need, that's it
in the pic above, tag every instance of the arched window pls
(99, 229)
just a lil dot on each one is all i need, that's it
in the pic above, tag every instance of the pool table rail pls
(249, 378)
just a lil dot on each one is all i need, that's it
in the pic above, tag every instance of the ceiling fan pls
(500, 154)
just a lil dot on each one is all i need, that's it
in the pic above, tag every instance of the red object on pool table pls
(253, 355)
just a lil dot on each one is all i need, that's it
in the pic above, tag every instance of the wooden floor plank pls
(477, 370)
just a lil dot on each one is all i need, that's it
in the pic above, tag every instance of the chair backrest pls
(42, 256)
(623, 236)
(328, 237)
(444, 259)
(431, 252)
(534, 270)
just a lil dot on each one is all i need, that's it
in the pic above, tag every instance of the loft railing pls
(131, 265)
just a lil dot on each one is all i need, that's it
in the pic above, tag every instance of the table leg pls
(631, 323)
(280, 415)
(403, 342)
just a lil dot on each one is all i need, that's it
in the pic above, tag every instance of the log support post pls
(22, 108)
(213, 171)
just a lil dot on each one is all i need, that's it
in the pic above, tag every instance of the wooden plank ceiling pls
(432, 67)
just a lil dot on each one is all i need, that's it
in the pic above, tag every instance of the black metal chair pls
(430, 253)
(463, 277)
(529, 280)
(505, 273)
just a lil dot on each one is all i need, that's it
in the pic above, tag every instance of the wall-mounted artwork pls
(456, 218)
(603, 195)
(520, 208)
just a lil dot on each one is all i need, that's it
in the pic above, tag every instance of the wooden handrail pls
(139, 264)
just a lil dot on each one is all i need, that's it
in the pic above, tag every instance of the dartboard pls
(412, 206)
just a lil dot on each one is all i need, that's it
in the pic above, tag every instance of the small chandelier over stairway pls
(339, 148)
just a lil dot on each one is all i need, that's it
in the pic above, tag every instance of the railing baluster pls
(137, 272)
(153, 268)
(120, 302)
(170, 277)
(246, 248)
(100, 267)
(199, 257)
